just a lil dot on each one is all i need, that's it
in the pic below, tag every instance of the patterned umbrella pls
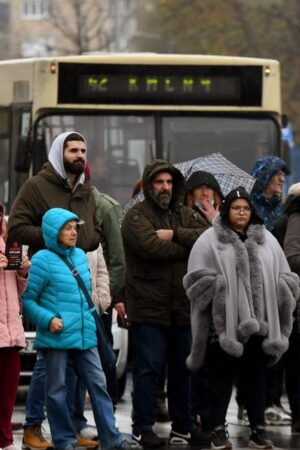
(228, 175)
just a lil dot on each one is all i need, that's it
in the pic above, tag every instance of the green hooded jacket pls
(109, 213)
(50, 189)
(155, 267)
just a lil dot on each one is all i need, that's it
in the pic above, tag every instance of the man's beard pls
(75, 167)
(164, 199)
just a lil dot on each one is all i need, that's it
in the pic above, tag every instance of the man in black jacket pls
(158, 234)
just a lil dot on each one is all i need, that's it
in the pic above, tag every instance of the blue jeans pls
(34, 409)
(153, 346)
(36, 399)
(88, 368)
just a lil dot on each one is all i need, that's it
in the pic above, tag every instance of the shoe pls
(194, 437)
(9, 447)
(219, 439)
(33, 439)
(87, 443)
(258, 439)
(147, 439)
(276, 415)
(89, 432)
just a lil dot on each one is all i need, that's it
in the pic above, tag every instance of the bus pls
(135, 107)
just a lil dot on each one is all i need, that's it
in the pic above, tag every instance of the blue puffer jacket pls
(52, 291)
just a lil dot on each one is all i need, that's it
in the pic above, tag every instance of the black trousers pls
(292, 380)
(223, 370)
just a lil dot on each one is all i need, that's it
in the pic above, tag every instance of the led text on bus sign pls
(182, 85)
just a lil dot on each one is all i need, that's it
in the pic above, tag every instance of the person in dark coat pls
(204, 195)
(291, 245)
(266, 195)
(158, 234)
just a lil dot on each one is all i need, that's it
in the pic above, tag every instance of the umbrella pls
(228, 175)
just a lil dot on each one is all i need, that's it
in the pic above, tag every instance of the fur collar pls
(228, 236)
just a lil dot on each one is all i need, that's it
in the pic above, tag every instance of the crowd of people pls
(208, 283)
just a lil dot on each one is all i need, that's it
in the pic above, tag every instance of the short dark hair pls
(73, 137)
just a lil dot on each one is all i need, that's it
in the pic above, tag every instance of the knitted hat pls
(201, 178)
(239, 192)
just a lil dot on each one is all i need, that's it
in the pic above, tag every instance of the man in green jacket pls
(158, 235)
(61, 183)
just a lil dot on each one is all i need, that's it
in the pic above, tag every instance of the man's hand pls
(56, 325)
(166, 235)
(120, 308)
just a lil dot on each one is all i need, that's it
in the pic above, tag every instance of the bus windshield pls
(119, 146)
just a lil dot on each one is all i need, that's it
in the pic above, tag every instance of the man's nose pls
(166, 185)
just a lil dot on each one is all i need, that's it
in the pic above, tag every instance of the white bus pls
(134, 107)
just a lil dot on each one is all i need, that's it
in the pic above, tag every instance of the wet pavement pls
(280, 435)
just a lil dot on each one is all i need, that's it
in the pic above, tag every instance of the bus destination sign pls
(163, 85)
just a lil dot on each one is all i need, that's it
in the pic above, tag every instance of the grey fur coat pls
(245, 288)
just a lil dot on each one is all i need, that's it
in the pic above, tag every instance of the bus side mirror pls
(23, 154)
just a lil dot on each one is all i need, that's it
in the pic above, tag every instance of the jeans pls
(36, 399)
(88, 368)
(153, 346)
(34, 409)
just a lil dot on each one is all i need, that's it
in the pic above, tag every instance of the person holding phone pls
(12, 339)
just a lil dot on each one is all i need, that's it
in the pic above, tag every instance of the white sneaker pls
(89, 432)
(274, 415)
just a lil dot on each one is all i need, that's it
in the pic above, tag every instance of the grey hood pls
(56, 155)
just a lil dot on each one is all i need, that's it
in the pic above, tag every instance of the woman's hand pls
(25, 265)
(56, 325)
(208, 210)
(3, 261)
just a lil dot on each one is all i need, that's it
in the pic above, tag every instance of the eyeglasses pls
(241, 208)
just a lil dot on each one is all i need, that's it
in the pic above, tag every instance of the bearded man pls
(158, 235)
(60, 184)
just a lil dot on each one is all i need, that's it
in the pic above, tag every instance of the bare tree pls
(84, 26)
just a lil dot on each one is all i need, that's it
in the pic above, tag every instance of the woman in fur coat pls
(242, 294)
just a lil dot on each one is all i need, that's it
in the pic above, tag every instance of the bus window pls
(119, 146)
(242, 140)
